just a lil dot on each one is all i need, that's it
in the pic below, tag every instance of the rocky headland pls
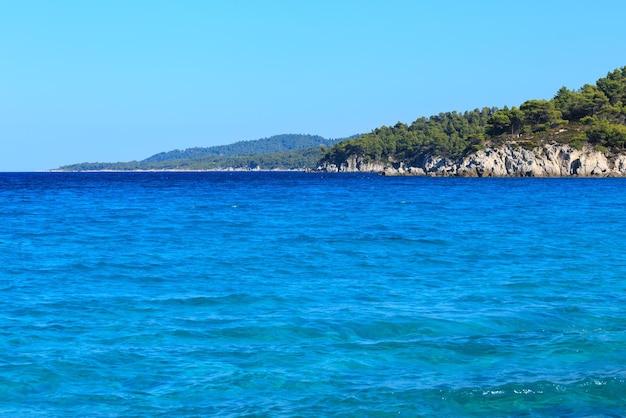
(509, 160)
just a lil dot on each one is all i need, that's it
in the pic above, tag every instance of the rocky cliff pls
(504, 161)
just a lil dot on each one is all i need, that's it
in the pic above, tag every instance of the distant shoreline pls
(239, 170)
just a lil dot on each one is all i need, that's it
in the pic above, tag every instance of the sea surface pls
(306, 294)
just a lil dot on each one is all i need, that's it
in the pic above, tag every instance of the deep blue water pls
(297, 294)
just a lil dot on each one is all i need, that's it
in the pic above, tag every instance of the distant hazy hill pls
(271, 145)
(289, 151)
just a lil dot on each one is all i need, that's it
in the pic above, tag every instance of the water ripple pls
(293, 294)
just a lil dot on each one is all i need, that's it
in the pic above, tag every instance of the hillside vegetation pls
(287, 152)
(594, 114)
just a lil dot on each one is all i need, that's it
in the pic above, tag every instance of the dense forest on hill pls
(289, 151)
(272, 145)
(594, 114)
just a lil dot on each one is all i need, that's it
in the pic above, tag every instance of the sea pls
(292, 294)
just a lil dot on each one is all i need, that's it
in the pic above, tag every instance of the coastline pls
(507, 160)
(178, 170)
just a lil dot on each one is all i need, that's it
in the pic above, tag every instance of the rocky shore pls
(504, 161)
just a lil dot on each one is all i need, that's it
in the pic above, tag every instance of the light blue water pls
(294, 294)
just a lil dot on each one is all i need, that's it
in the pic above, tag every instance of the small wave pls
(195, 301)
(233, 299)
(591, 396)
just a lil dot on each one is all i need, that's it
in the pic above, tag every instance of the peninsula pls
(576, 133)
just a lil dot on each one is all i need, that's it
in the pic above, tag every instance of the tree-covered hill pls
(289, 151)
(272, 145)
(594, 114)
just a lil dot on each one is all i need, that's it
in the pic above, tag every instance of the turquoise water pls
(296, 294)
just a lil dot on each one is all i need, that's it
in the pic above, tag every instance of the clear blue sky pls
(120, 80)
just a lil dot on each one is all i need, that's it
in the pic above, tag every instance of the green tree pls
(540, 115)
(607, 134)
(614, 85)
(499, 123)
